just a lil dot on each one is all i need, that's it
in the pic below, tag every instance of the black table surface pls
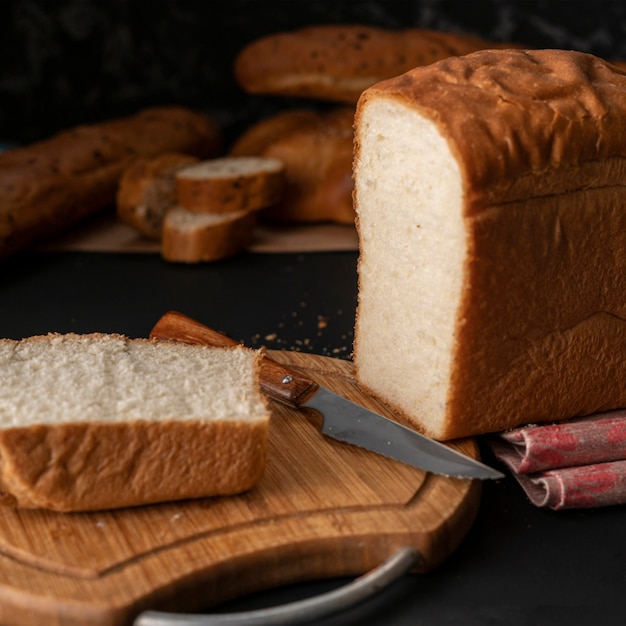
(517, 565)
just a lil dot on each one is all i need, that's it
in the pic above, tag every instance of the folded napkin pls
(580, 463)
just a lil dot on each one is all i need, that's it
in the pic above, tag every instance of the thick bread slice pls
(53, 184)
(190, 237)
(337, 62)
(99, 421)
(230, 184)
(316, 149)
(147, 191)
(491, 209)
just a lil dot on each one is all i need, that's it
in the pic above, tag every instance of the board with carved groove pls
(323, 509)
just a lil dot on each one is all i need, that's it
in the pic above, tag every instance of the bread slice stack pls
(217, 207)
(98, 421)
(199, 210)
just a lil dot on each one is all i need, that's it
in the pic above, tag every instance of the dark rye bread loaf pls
(337, 62)
(491, 208)
(50, 185)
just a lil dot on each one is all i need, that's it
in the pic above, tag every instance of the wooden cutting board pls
(322, 509)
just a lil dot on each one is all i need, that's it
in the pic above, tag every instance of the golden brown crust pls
(50, 185)
(147, 190)
(539, 137)
(552, 111)
(226, 236)
(316, 149)
(258, 137)
(337, 62)
(245, 190)
(93, 466)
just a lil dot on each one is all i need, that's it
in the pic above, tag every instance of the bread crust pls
(337, 62)
(52, 184)
(225, 236)
(539, 138)
(90, 465)
(316, 148)
(513, 116)
(147, 190)
(239, 188)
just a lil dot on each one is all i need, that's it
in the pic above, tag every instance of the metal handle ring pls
(302, 610)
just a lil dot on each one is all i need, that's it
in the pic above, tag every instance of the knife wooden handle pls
(277, 381)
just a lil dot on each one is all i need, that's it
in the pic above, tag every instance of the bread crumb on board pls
(314, 335)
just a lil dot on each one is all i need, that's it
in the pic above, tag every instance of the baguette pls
(230, 184)
(490, 209)
(147, 191)
(53, 184)
(91, 422)
(337, 62)
(316, 149)
(190, 237)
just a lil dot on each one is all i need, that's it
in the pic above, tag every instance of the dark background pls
(71, 61)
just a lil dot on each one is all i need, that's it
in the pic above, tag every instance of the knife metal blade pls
(347, 421)
(343, 419)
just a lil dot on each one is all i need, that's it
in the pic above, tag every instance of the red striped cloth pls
(580, 463)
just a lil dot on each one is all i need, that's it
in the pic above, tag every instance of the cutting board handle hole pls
(307, 610)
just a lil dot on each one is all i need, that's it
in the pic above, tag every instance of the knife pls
(342, 419)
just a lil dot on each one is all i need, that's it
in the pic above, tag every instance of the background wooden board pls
(106, 233)
(322, 509)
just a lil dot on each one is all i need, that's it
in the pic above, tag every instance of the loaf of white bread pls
(98, 421)
(491, 211)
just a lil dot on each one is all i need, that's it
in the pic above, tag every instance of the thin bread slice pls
(98, 421)
(230, 184)
(147, 191)
(190, 237)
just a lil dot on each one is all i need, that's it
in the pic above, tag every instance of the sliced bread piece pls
(190, 237)
(147, 191)
(491, 209)
(230, 184)
(101, 421)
